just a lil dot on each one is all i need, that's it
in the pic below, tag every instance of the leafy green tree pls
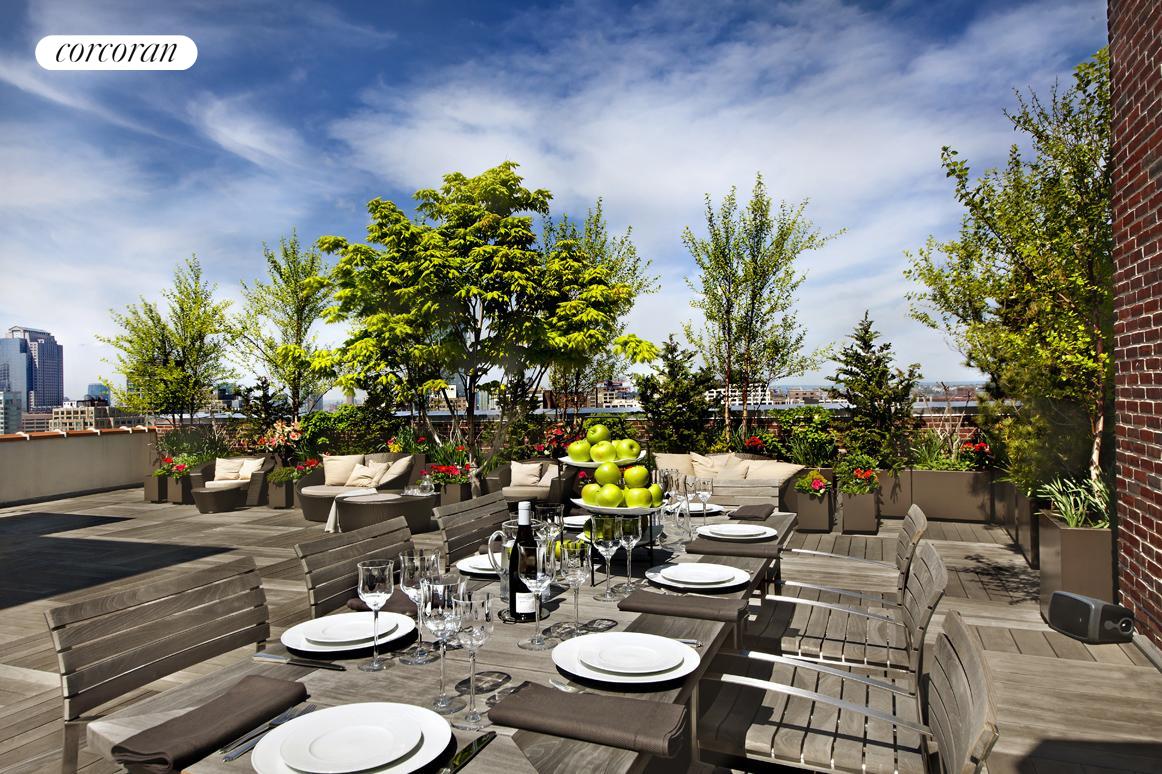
(880, 396)
(1026, 290)
(348, 429)
(171, 360)
(274, 332)
(262, 406)
(673, 397)
(746, 291)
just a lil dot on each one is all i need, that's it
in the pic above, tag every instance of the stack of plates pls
(697, 576)
(480, 564)
(625, 657)
(375, 737)
(737, 532)
(577, 522)
(346, 631)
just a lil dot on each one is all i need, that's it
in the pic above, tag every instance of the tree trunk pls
(1095, 471)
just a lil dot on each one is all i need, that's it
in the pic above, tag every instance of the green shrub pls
(933, 451)
(348, 430)
(1080, 502)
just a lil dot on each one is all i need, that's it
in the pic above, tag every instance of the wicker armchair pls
(254, 490)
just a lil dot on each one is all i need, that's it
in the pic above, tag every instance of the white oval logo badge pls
(116, 52)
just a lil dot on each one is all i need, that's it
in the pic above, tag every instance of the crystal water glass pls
(605, 531)
(574, 569)
(704, 488)
(414, 566)
(536, 570)
(552, 526)
(376, 583)
(631, 533)
(477, 623)
(441, 617)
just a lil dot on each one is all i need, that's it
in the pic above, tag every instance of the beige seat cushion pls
(526, 473)
(337, 469)
(678, 462)
(227, 469)
(325, 490)
(395, 470)
(228, 484)
(550, 474)
(250, 466)
(525, 492)
(771, 470)
(367, 475)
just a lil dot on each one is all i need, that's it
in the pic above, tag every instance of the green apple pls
(627, 449)
(607, 473)
(589, 493)
(596, 434)
(579, 450)
(610, 496)
(656, 494)
(603, 451)
(638, 475)
(637, 497)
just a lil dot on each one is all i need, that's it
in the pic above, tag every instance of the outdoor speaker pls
(1089, 619)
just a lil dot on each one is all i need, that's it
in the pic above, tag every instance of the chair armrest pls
(843, 674)
(200, 475)
(876, 562)
(503, 474)
(833, 606)
(314, 478)
(562, 486)
(880, 601)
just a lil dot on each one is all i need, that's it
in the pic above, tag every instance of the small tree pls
(673, 398)
(880, 396)
(171, 361)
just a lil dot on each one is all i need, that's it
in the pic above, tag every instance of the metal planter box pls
(156, 489)
(859, 513)
(955, 495)
(1077, 559)
(814, 514)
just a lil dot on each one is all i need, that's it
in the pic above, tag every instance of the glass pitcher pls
(506, 535)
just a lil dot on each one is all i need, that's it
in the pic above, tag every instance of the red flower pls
(421, 439)
(818, 484)
(460, 448)
(300, 467)
(179, 467)
(423, 472)
(539, 447)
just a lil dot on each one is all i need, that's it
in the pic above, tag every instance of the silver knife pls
(460, 759)
(274, 658)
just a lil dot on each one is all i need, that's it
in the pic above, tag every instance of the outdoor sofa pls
(318, 489)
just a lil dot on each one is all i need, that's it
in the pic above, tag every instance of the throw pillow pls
(733, 468)
(250, 466)
(366, 475)
(704, 467)
(394, 470)
(550, 474)
(337, 469)
(227, 469)
(526, 473)
(678, 462)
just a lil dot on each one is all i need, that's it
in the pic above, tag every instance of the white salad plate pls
(568, 657)
(478, 564)
(707, 509)
(435, 733)
(697, 573)
(354, 737)
(590, 464)
(621, 511)
(737, 532)
(630, 653)
(345, 629)
(392, 626)
(737, 578)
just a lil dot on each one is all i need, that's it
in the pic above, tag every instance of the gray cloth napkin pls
(753, 512)
(640, 725)
(398, 602)
(768, 550)
(704, 608)
(178, 742)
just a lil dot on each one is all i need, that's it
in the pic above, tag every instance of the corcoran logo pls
(116, 52)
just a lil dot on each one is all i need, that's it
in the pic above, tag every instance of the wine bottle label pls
(525, 603)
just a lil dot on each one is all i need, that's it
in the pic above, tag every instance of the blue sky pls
(296, 114)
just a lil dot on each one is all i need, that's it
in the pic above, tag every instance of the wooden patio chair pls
(330, 563)
(880, 637)
(111, 645)
(465, 526)
(787, 712)
(911, 532)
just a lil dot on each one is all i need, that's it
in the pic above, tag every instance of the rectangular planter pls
(455, 493)
(815, 514)
(955, 495)
(1005, 507)
(859, 513)
(895, 493)
(1028, 528)
(281, 495)
(156, 490)
(1077, 559)
(790, 495)
(181, 491)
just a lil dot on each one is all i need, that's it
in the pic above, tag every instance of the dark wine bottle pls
(521, 601)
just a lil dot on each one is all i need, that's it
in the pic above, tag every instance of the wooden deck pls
(67, 550)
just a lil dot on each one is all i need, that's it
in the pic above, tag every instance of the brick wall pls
(1135, 28)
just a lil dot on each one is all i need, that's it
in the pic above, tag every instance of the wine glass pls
(704, 488)
(375, 587)
(575, 568)
(631, 533)
(414, 566)
(442, 618)
(476, 626)
(552, 526)
(677, 529)
(536, 570)
(606, 535)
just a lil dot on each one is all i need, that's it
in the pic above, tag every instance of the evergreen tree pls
(880, 396)
(673, 398)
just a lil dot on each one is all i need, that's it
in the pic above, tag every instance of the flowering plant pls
(448, 474)
(976, 452)
(813, 483)
(165, 468)
(283, 439)
(178, 466)
(293, 473)
(856, 474)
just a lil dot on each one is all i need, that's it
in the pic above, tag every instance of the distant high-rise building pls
(10, 412)
(48, 367)
(98, 390)
(16, 370)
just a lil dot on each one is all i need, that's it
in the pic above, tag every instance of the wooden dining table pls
(513, 751)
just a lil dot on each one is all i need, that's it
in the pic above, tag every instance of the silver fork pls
(561, 685)
(249, 745)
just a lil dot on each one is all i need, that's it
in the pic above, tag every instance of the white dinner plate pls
(478, 564)
(738, 578)
(591, 465)
(709, 508)
(345, 628)
(434, 730)
(567, 657)
(353, 737)
(630, 653)
(620, 511)
(737, 532)
(577, 522)
(392, 626)
(697, 573)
